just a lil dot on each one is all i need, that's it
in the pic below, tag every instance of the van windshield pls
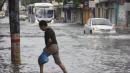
(44, 13)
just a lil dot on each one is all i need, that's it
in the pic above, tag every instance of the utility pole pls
(82, 22)
(14, 31)
(2, 5)
(116, 11)
(81, 11)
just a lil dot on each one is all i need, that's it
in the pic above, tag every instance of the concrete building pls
(59, 14)
(122, 13)
(71, 12)
(123, 18)
(76, 12)
(127, 7)
(106, 9)
(117, 11)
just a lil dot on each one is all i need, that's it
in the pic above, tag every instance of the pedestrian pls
(51, 47)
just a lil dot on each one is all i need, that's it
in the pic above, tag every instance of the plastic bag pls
(43, 58)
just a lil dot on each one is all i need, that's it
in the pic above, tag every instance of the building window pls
(127, 1)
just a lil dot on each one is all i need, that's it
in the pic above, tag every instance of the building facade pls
(76, 12)
(106, 9)
(127, 5)
(71, 12)
(117, 11)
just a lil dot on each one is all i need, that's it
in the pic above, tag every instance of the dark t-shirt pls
(50, 34)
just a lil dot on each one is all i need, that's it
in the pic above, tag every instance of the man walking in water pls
(51, 46)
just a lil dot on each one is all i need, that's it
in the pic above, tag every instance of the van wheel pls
(91, 31)
(84, 31)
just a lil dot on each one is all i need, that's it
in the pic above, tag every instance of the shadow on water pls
(123, 45)
(15, 68)
(116, 51)
(7, 67)
(1, 35)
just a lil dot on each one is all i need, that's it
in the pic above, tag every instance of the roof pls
(43, 4)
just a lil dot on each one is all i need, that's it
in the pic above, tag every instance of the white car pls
(99, 25)
(2, 14)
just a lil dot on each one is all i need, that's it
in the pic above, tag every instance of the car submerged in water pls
(99, 25)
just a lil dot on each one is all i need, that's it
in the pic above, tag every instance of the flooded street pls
(80, 53)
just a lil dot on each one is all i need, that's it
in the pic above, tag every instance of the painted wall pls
(122, 15)
(127, 6)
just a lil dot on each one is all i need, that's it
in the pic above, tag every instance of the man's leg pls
(57, 58)
(58, 62)
(41, 68)
(63, 68)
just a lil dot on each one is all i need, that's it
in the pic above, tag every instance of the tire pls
(84, 32)
(91, 31)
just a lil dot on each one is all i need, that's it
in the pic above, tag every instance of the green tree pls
(59, 1)
(1, 4)
(76, 2)
(27, 2)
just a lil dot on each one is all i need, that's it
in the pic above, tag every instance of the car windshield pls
(100, 22)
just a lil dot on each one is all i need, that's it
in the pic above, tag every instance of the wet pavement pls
(80, 53)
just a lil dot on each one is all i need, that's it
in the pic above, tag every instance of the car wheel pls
(91, 31)
(84, 32)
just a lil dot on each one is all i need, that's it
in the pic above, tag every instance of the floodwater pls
(80, 53)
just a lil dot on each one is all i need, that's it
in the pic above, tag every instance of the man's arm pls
(48, 39)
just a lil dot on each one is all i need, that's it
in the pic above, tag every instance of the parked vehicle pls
(99, 25)
(2, 14)
(40, 11)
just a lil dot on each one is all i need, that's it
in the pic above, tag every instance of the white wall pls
(122, 14)
(127, 6)
(4, 8)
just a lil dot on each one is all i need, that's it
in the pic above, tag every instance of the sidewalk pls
(123, 30)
